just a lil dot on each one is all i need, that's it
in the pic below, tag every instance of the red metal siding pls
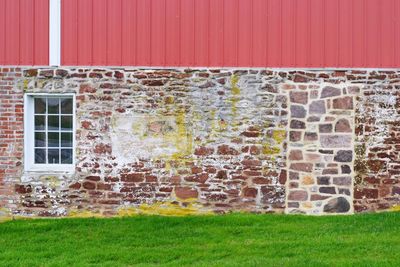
(243, 33)
(24, 32)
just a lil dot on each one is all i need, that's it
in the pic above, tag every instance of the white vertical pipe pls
(55, 33)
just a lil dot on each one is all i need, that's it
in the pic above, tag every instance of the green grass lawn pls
(229, 240)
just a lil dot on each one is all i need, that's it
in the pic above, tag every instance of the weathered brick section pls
(209, 140)
(11, 136)
(377, 165)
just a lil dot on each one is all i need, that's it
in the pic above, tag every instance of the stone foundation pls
(209, 141)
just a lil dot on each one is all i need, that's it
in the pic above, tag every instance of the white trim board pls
(55, 33)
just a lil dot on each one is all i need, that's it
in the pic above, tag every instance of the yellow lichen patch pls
(272, 145)
(360, 162)
(217, 125)
(128, 211)
(279, 136)
(25, 86)
(234, 82)
(168, 166)
(169, 99)
(53, 181)
(235, 91)
(164, 209)
(183, 134)
(270, 150)
(5, 219)
(395, 208)
(222, 126)
(181, 137)
(213, 122)
(83, 214)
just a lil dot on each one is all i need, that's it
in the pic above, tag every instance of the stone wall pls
(207, 141)
(377, 164)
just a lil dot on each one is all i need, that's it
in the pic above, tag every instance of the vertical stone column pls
(11, 136)
(320, 148)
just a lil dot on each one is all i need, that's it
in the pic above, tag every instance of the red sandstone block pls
(151, 178)
(261, 180)
(103, 186)
(250, 192)
(343, 103)
(298, 195)
(303, 167)
(186, 192)
(93, 178)
(109, 201)
(227, 150)
(221, 174)
(89, 185)
(22, 189)
(132, 177)
(299, 97)
(316, 197)
(283, 177)
(203, 151)
(102, 149)
(196, 170)
(360, 193)
(251, 163)
(75, 186)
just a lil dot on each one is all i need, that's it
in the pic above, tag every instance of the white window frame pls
(29, 136)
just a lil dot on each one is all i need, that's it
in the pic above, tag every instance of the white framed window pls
(49, 132)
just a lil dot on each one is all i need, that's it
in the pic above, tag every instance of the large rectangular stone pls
(335, 141)
(302, 167)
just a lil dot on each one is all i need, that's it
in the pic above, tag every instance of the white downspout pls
(55, 33)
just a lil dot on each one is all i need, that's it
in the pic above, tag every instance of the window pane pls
(66, 139)
(40, 122)
(40, 139)
(53, 123)
(40, 105)
(53, 139)
(53, 105)
(53, 129)
(66, 156)
(66, 123)
(40, 156)
(54, 156)
(66, 105)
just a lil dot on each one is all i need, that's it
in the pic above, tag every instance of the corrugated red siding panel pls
(215, 36)
(129, 38)
(24, 32)
(143, 25)
(316, 43)
(274, 35)
(100, 29)
(172, 24)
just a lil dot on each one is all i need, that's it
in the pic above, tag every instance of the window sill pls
(51, 170)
